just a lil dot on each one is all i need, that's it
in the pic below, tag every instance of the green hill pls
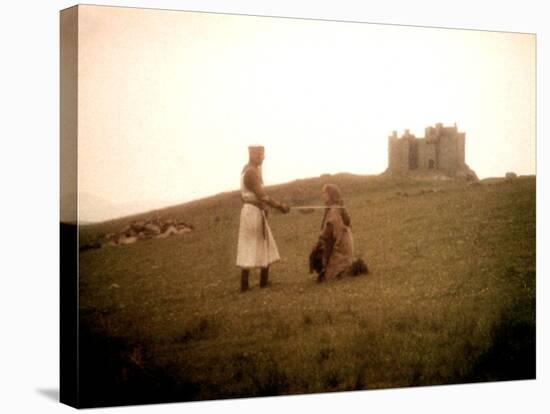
(450, 297)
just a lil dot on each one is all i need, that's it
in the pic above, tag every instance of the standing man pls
(256, 247)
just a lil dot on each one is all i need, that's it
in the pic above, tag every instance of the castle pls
(440, 153)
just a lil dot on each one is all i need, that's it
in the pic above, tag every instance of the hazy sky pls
(169, 100)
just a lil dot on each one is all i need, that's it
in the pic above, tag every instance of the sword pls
(312, 207)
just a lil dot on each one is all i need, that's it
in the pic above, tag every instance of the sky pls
(168, 101)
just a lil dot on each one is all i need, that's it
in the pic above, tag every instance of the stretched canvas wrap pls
(258, 206)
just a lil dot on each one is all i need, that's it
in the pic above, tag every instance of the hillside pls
(450, 297)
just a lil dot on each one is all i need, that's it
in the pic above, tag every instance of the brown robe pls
(336, 242)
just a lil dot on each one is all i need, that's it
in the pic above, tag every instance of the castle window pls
(431, 164)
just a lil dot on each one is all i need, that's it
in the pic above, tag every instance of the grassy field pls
(450, 297)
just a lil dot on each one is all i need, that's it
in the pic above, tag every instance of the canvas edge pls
(68, 185)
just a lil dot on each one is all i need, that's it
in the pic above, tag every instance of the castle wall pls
(461, 149)
(398, 154)
(449, 159)
(426, 152)
(403, 154)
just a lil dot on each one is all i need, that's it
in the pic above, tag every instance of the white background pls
(29, 254)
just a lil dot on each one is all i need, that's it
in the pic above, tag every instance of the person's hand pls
(284, 208)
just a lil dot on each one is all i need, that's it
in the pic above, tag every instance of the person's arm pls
(253, 183)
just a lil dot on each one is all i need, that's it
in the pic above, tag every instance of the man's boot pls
(264, 275)
(321, 277)
(244, 280)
